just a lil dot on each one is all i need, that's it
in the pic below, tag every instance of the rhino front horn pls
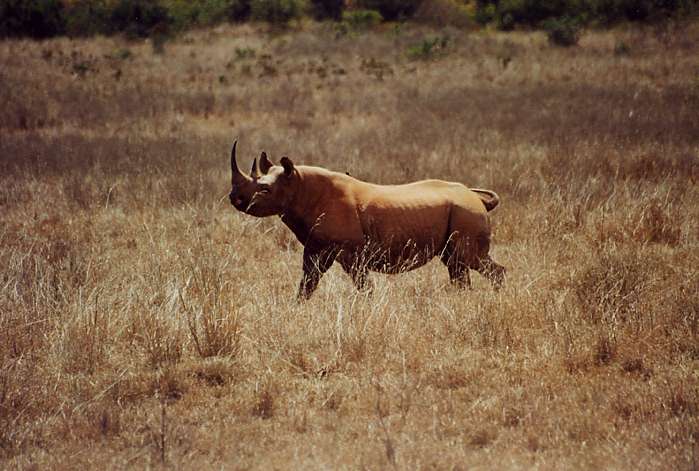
(234, 164)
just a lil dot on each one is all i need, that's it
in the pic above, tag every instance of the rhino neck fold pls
(305, 205)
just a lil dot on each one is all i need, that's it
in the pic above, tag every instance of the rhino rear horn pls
(265, 163)
(255, 172)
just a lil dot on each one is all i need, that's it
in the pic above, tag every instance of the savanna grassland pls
(145, 323)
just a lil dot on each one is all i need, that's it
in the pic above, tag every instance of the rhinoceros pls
(365, 226)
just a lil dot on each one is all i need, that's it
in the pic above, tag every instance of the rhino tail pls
(490, 198)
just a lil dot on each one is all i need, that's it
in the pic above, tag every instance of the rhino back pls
(348, 211)
(401, 214)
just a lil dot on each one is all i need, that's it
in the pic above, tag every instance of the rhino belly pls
(396, 257)
(403, 237)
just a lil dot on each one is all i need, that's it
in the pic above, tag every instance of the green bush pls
(275, 11)
(611, 11)
(327, 9)
(533, 13)
(360, 20)
(621, 48)
(139, 18)
(428, 48)
(185, 14)
(563, 31)
(485, 13)
(192, 13)
(87, 18)
(391, 9)
(34, 18)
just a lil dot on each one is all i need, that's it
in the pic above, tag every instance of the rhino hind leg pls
(493, 271)
(458, 275)
(463, 253)
(458, 269)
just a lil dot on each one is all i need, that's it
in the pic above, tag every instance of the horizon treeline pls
(142, 18)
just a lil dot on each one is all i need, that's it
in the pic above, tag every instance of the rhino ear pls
(288, 166)
(265, 163)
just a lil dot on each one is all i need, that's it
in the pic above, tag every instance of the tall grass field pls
(145, 323)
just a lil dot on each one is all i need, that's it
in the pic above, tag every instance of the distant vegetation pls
(140, 18)
(508, 14)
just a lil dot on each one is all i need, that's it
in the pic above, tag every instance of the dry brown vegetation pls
(146, 323)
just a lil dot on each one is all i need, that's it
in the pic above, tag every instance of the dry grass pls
(146, 323)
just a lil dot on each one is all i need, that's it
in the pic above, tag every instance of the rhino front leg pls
(315, 263)
(359, 272)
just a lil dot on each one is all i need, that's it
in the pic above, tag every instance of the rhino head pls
(268, 190)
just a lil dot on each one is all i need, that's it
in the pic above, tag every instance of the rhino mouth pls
(245, 206)
(238, 202)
